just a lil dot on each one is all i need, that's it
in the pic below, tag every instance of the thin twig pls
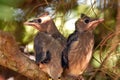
(105, 40)
(46, 2)
(36, 7)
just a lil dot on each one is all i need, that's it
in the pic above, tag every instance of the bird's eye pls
(58, 77)
(86, 21)
(39, 20)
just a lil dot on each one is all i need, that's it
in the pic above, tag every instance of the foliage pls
(106, 59)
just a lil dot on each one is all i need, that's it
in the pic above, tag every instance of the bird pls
(48, 45)
(79, 46)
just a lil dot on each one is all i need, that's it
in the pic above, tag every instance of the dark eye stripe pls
(36, 21)
(31, 21)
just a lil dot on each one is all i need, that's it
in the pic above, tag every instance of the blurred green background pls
(105, 64)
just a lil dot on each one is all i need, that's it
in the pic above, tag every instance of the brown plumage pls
(78, 51)
(48, 45)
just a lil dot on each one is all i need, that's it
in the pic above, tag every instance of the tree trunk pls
(116, 39)
(118, 18)
(12, 58)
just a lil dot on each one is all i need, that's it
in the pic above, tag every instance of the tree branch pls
(13, 58)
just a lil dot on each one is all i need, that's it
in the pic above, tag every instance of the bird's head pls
(40, 23)
(86, 23)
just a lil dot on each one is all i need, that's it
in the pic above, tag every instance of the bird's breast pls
(80, 54)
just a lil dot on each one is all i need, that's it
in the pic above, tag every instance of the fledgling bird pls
(78, 52)
(48, 45)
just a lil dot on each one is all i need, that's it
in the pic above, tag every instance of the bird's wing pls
(42, 53)
(71, 39)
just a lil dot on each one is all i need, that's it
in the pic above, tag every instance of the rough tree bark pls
(12, 58)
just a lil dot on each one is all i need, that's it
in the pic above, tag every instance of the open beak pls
(94, 23)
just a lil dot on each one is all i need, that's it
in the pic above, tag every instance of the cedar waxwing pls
(48, 45)
(78, 52)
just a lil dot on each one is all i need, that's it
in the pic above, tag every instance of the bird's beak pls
(33, 24)
(39, 23)
(94, 23)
